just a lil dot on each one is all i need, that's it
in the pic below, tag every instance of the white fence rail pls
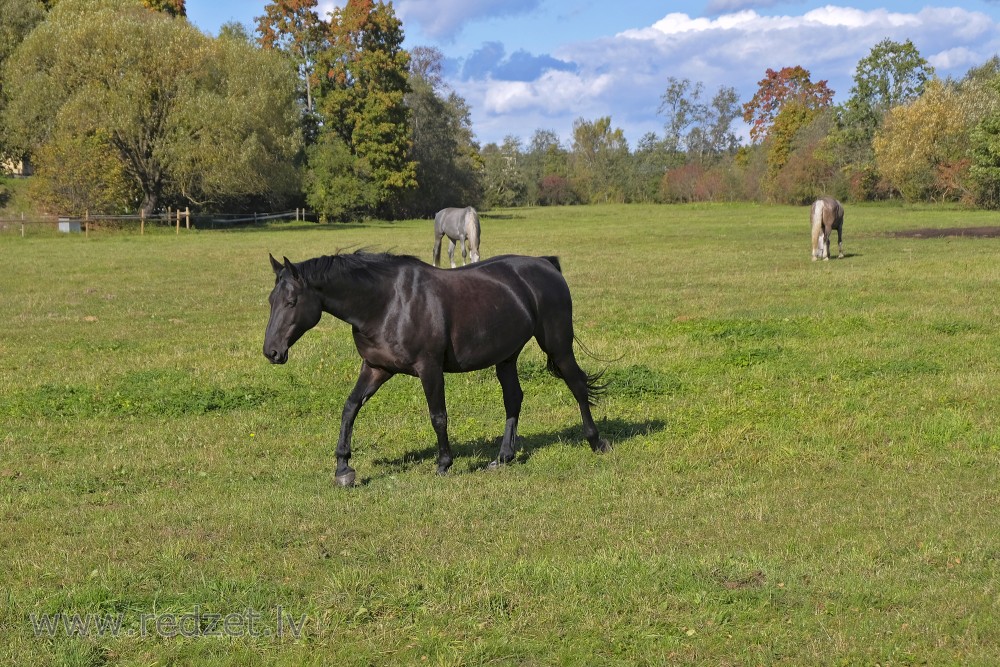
(178, 220)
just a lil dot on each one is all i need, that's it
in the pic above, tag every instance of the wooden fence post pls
(142, 223)
(178, 229)
(86, 223)
(187, 217)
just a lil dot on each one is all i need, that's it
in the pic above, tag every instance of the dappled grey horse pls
(826, 215)
(460, 225)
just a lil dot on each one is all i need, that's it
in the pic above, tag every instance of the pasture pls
(805, 466)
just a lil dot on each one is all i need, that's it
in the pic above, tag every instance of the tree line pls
(124, 106)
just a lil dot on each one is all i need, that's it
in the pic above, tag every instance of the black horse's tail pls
(595, 388)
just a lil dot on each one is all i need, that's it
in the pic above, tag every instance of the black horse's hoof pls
(602, 446)
(346, 478)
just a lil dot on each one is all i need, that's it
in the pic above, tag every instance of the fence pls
(169, 220)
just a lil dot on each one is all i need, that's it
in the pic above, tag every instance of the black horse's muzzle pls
(276, 356)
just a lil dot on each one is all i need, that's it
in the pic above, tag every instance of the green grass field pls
(805, 466)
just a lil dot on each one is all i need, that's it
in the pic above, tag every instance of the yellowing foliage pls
(920, 140)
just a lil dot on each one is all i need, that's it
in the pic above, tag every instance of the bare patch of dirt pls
(973, 232)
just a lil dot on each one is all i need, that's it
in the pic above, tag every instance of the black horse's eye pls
(291, 303)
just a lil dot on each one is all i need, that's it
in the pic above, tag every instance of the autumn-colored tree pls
(789, 85)
(923, 140)
(172, 7)
(366, 71)
(808, 171)
(296, 29)
(793, 117)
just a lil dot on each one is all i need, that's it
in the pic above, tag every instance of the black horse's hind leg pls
(369, 380)
(512, 398)
(433, 383)
(581, 385)
(555, 337)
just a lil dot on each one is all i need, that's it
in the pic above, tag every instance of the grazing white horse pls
(826, 215)
(459, 225)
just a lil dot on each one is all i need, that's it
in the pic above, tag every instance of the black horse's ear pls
(275, 264)
(292, 271)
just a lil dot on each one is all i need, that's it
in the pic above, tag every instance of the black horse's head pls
(295, 308)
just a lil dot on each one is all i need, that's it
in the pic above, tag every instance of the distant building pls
(16, 168)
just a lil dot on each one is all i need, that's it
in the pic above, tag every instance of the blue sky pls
(524, 65)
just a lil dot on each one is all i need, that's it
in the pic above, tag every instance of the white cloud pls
(554, 92)
(958, 57)
(624, 75)
(443, 19)
(327, 7)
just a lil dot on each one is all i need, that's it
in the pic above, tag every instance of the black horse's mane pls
(360, 262)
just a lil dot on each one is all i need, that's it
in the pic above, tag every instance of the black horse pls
(409, 317)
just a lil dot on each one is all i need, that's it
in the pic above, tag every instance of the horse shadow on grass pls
(618, 431)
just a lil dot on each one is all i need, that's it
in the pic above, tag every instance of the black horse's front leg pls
(433, 383)
(369, 380)
(513, 396)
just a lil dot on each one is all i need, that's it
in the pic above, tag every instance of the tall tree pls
(652, 159)
(893, 73)
(682, 107)
(503, 178)
(546, 170)
(185, 116)
(598, 161)
(364, 107)
(703, 130)
(983, 85)
(295, 28)
(19, 17)
(444, 148)
(789, 85)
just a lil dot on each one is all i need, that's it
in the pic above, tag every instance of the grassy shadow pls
(615, 430)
